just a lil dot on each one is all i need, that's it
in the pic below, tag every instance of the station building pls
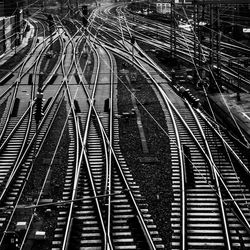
(164, 6)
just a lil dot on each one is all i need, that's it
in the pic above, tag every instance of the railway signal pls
(39, 106)
(173, 76)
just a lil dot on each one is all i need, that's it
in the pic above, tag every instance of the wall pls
(2, 36)
(8, 31)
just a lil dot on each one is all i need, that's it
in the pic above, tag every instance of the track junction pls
(65, 180)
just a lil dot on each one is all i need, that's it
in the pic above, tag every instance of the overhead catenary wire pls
(218, 87)
(165, 132)
(142, 105)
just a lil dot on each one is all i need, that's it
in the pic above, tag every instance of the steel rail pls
(229, 148)
(20, 64)
(27, 150)
(107, 243)
(58, 64)
(25, 154)
(240, 214)
(17, 83)
(20, 120)
(224, 71)
(28, 112)
(168, 78)
(109, 176)
(82, 154)
(108, 156)
(182, 179)
(140, 218)
(217, 185)
(91, 100)
(224, 129)
(69, 220)
(22, 245)
(72, 110)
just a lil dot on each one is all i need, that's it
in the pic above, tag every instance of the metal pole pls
(218, 49)
(16, 25)
(133, 42)
(211, 43)
(4, 36)
(172, 30)
(194, 33)
(211, 35)
(238, 81)
(61, 7)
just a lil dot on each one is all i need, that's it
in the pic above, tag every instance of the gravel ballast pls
(151, 171)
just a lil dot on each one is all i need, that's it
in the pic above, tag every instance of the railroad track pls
(21, 137)
(211, 197)
(213, 215)
(210, 208)
(101, 206)
(94, 169)
(104, 214)
(207, 184)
